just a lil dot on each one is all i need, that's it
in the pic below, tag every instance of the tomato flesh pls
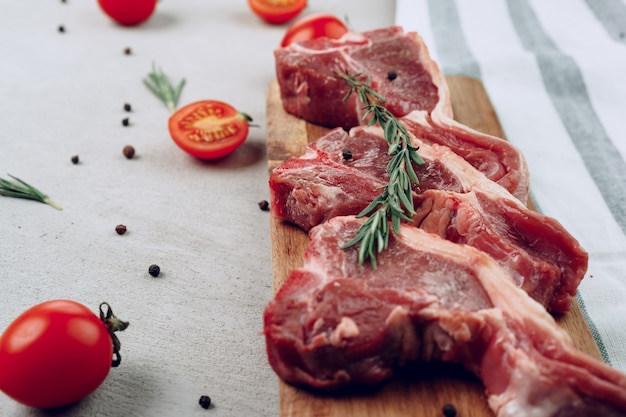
(277, 11)
(54, 354)
(314, 26)
(128, 12)
(208, 129)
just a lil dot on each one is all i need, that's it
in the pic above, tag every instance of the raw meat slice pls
(334, 324)
(418, 92)
(310, 88)
(452, 200)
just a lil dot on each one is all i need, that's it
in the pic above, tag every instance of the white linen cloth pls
(555, 72)
(197, 328)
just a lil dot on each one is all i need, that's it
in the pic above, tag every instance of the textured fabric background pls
(554, 71)
(196, 329)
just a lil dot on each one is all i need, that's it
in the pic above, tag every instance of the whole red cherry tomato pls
(128, 12)
(277, 11)
(314, 26)
(57, 353)
(208, 129)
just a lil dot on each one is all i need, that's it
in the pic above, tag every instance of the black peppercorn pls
(392, 75)
(449, 410)
(127, 51)
(264, 205)
(75, 159)
(346, 154)
(125, 122)
(129, 151)
(154, 270)
(61, 29)
(127, 107)
(205, 401)
(120, 229)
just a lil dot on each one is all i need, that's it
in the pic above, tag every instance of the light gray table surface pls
(197, 328)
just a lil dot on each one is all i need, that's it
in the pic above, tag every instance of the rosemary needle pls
(159, 84)
(395, 203)
(21, 189)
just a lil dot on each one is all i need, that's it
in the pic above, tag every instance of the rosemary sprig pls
(395, 203)
(159, 84)
(21, 189)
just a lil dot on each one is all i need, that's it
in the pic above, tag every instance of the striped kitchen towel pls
(555, 72)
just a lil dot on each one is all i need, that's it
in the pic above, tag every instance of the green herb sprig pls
(20, 189)
(395, 203)
(159, 84)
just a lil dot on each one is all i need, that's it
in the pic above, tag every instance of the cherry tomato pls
(314, 26)
(209, 129)
(54, 354)
(128, 12)
(277, 11)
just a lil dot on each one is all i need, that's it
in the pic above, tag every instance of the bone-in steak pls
(335, 324)
(452, 200)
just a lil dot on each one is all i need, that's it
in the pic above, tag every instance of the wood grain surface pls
(420, 390)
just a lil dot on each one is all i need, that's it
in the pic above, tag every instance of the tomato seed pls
(449, 410)
(154, 270)
(264, 205)
(205, 401)
(75, 159)
(120, 229)
(129, 151)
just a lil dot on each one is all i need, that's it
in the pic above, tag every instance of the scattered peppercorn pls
(120, 229)
(392, 75)
(61, 29)
(346, 154)
(622, 35)
(75, 159)
(449, 410)
(128, 51)
(264, 205)
(205, 402)
(127, 107)
(154, 270)
(125, 122)
(129, 151)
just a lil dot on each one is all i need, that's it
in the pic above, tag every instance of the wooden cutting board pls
(421, 390)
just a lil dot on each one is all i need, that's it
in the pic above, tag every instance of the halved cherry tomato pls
(314, 26)
(209, 129)
(55, 354)
(128, 12)
(277, 11)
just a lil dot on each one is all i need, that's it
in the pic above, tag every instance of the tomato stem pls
(113, 324)
(248, 119)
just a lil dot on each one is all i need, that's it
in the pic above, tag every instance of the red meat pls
(417, 93)
(452, 200)
(334, 324)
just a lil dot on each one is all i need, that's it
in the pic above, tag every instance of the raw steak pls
(453, 200)
(334, 324)
(310, 88)
(418, 92)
